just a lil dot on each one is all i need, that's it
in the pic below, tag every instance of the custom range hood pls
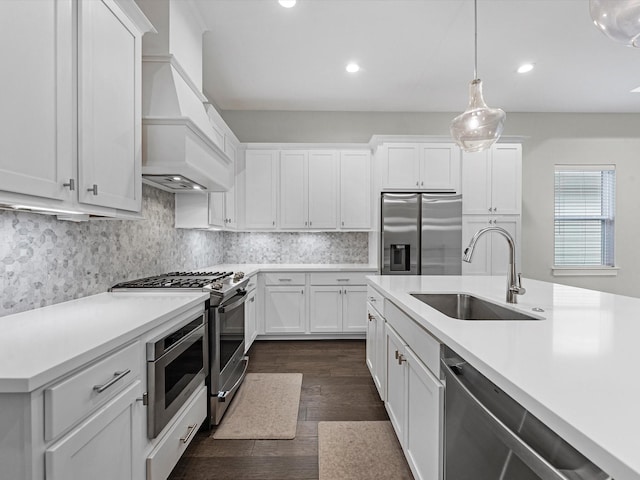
(182, 151)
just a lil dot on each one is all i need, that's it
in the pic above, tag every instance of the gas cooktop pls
(218, 283)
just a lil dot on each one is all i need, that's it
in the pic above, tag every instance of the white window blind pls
(584, 215)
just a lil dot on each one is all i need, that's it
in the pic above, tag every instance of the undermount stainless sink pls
(467, 307)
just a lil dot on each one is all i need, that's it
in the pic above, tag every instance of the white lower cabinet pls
(104, 447)
(284, 309)
(175, 441)
(375, 350)
(414, 402)
(336, 309)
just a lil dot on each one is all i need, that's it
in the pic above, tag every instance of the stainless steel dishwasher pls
(489, 436)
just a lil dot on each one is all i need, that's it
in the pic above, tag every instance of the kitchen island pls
(571, 368)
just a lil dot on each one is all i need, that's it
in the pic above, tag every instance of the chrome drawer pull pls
(191, 429)
(342, 279)
(117, 376)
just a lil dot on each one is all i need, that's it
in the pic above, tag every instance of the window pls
(584, 215)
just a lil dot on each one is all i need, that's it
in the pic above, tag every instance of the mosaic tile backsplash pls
(45, 261)
(319, 247)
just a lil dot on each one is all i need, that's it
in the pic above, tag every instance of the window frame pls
(579, 269)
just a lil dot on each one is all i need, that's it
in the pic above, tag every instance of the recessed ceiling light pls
(287, 3)
(525, 67)
(353, 67)
(636, 90)
(197, 187)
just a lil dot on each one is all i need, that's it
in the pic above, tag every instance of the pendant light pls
(479, 126)
(618, 19)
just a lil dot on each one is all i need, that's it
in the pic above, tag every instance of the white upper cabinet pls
(323, 189)
(293, 190)
(308, 189)
(36, 92)
(421, 166)
(260, 188)
(491, 180)
(87, 157)
(109, 118)
(355, 190)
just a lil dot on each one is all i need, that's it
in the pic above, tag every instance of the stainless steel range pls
(227, 361)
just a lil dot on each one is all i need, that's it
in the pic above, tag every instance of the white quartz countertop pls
(39, 345)
(251, 268)
(575, 370)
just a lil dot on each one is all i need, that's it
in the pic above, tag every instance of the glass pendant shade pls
(618, 19)
(479, 126)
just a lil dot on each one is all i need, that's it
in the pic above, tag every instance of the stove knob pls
(238, 276)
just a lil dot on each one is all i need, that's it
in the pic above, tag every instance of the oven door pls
(175, 375)
(230, 364)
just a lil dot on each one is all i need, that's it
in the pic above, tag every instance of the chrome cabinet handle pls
(372, 299)
(397, 354)
(401, 359)
(489, 208)
(273, 223)
(285, 279)
(417, 184)
(310, 223)
(305, 224)
(117, 376)
(342, 279)
(71, 184)
(191, 429)
(371, 317)
(253, 299)
(93, 189)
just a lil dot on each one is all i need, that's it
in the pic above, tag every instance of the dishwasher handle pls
(528, 455)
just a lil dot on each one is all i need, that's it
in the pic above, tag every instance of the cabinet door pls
(395, 382)
(380, 376)
(354, 309)
(104, 447)
(325, 309)
(481, 260)
(294, 208)
(401, 166)
(424, 420)
(216, 209)
(439, 167)
(250, 321)
(260, 175)
(37, 96)
(499, 262)
(285, 309)
(506, 179)
(370, 346)
(476, 183)
(355, 190)
(323, 190)
(109, 133)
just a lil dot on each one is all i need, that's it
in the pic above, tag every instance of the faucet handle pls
(521, 289)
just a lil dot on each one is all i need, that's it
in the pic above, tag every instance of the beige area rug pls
(360, 451)
(265, 408)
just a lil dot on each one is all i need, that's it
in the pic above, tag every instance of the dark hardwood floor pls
(336, 385)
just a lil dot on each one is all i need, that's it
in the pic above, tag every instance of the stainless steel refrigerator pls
(421, 234)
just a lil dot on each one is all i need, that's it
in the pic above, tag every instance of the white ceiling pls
(416, 56)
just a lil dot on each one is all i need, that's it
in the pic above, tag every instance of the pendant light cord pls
(475, 29)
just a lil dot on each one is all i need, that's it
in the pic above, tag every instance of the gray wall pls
(549, 139)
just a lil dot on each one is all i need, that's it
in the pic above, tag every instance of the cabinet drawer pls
(74, 398)
(284, 278)
(170, 448)
(425, 346)
(338, 278)
(376, 300)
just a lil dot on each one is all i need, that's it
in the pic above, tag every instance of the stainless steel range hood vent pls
(173, 183)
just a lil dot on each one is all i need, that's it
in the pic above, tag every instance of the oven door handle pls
(237, 303)
(222, 396)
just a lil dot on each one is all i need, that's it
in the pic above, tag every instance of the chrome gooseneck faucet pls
(514, 282)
